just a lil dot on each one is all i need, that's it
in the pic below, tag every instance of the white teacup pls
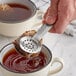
(45, 71)
(17, 28)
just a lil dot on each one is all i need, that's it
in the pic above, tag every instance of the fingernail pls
(50, 20)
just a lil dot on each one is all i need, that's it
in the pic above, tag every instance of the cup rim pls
(32, 71)
(34, 12)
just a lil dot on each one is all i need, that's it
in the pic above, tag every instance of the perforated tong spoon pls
(32, 44)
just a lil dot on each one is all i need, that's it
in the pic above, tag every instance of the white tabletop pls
(65, 47)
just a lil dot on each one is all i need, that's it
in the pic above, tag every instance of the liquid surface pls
(15, 13)
(15, 62)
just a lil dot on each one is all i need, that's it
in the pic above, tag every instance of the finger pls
(60, 26)
(74, 15)
(50, 17)
(53, 6)
(74, 5)
(51, 14)
(54, 3)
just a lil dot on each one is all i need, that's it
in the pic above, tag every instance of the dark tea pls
(15, 62)
(16, 13)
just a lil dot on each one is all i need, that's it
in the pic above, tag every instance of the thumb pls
(51, 14)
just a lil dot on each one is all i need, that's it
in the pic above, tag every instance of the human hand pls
(60, 14)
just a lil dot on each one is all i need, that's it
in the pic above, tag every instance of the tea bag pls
(4, 7)
(16, 43)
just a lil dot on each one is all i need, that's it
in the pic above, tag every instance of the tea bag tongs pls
(32, 44)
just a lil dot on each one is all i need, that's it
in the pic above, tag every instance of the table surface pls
(61, 45)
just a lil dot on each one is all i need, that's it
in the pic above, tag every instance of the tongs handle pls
(42, 31)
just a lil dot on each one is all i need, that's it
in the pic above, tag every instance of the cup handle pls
(59, 68)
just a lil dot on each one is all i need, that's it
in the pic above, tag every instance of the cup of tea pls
(17, 16)
(14, 64)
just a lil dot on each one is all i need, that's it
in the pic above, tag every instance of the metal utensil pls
(32, 44)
